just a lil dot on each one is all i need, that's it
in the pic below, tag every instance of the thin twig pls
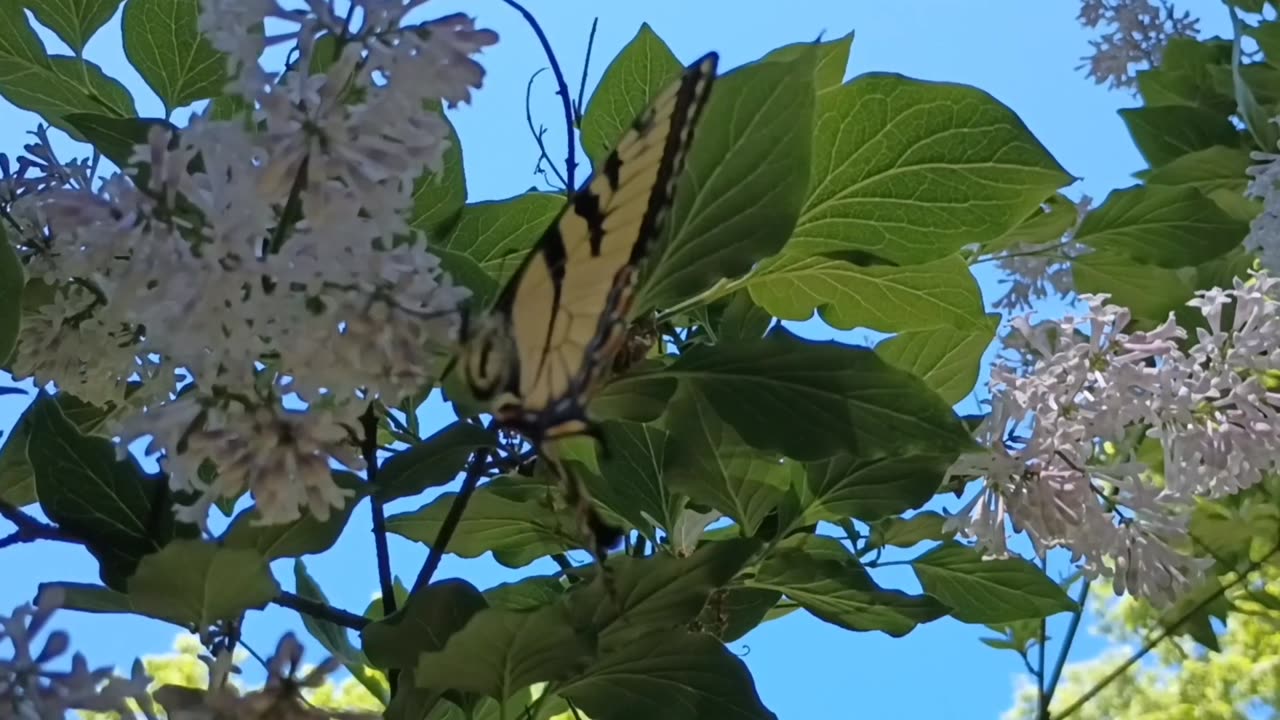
(570, 162)
(475, 470)
(321, 611)
(539, 132)
(1159, 637)
(1042, 705)
(1058, 665)
(369, 423)
(586, 66)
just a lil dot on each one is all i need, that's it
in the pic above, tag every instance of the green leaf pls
(1257, 120)
(438, 197)
(832, 60)
(430, 617)
(18, 40)
(811, 400)
(499, 652)
(304, 536)
(435, 462)
(121, 513)
(53, 87)
(17, 479)
(881, 297)
(12, 280)
(90, 598)
(527, 594)
(1185, 76)
(1165, 133)
(671, 675)
(633, 486)
(73, 21)
(1046, 224)
(469, 274)
(1150, 293)
(988, 591)
(1214, 168)
(115, 137)
(736, 611)
(742, 319)
(656, 593)
(743, 183)
(906, 532)
(708, 461)
(638, 396)
(832, 585)
(849, 487)
(510, 516)
(947, 359)
(1163, 226)
(163, 43)
(497, 234)
(910, 171)
(1267, 35)
(333, 637)
(643, 67)
(194, 583)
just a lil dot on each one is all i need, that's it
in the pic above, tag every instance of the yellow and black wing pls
(565, 310)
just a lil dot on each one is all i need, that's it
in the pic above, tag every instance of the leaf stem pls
(337, 616)
(563, 92)
(475, 469)
(538, 133)
(1159, 637)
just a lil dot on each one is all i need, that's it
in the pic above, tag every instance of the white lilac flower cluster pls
(261, 260)
(1062, 437)
(1034, 271)
(30, 690)
(1136, 34)
(1264, 229)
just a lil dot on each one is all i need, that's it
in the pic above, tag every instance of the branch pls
(475, 469)
(538, 133)
(321, 611)
(586, 65)
(30, 529)
(1072, 629)
(1159, 637)
(369, 422)
(563, 92)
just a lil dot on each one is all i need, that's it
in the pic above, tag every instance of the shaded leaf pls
(635, 75)
(115, 137)
(947, 359)
(1165, 133)
(497, 234)
(1214, 168)
(988, 591)
(303, 536)
(120, 512)
(73, 21)
(849, 487)
(911, 171)
(1150, 293)
(1046, 224)
(12, 280)
(811, 400)
(742, 319)
(632, 483)
(163, 43)
(743, 183)
(638, 396)
(434, 462)
(690, 526)
(734, 612)
(831, 584)
(438, 197)
(905, 532)
(426, 622)
(674, 676)
(194, 583)
(17, 479)
(1163, 226)
(832, 60)
(527, 594)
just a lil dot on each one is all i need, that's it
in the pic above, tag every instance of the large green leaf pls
(434, 462)
(497, 234)
(1165, 133)
(73, 21)
(194, 583)
(429, 618)
(304, 536)
(527, 594)
(744, 181)
(947, 359)
(882, 297)
(811, 400)
(17, 479)
(1214, 168)
(1185, 77)
(1164, 226)
(1150, 293)
(438, 197)
(906, 532)
(911, 171)
(163, 43)
(988, 591)
(638, 396)
(510, 516)
(1046, 224)
(643, 67)
(499, 652)
(742, 319)
(120, 512)
(708, 461)
(672, 675)
(849, 487)
(832, 60)
(631, 482)
(830, 583)
(736, 611)
(331, 636)
(12, 280)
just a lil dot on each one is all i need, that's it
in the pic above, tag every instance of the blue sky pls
(1023, 53)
